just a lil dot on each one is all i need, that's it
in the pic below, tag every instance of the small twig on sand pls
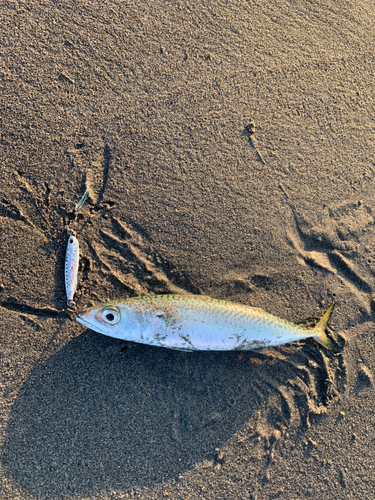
(250, 129)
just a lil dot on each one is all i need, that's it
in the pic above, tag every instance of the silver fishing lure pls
(72, 257)
(71, 269)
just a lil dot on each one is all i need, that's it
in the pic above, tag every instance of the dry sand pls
(149, 102)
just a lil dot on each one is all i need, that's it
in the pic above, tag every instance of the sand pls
(229, 148)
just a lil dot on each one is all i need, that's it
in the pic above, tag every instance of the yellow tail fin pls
(319, 329)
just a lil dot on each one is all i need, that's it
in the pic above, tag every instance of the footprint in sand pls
(125, 260)
(323, 246)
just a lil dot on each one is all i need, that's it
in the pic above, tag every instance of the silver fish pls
(195, 322)
(71, 269)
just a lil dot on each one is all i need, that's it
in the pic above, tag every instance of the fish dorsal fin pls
(257, 309)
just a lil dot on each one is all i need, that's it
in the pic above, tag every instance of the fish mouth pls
(88, 324)
(82, 321)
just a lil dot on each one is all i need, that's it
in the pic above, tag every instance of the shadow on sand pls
(104, 415)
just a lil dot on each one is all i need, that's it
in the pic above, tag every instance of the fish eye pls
(111, 315)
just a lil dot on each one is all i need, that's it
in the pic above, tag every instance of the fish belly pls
(221, 329)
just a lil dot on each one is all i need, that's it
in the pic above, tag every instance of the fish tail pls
(319, 329)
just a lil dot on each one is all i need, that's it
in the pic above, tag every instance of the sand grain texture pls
(229, 148)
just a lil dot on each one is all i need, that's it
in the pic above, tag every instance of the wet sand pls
(229, 149)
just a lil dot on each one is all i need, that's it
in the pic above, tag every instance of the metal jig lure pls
(72, 256)
(71, 269)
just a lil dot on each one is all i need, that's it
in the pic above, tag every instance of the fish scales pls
(195, 322)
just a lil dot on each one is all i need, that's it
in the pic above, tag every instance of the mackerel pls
(196, 322)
